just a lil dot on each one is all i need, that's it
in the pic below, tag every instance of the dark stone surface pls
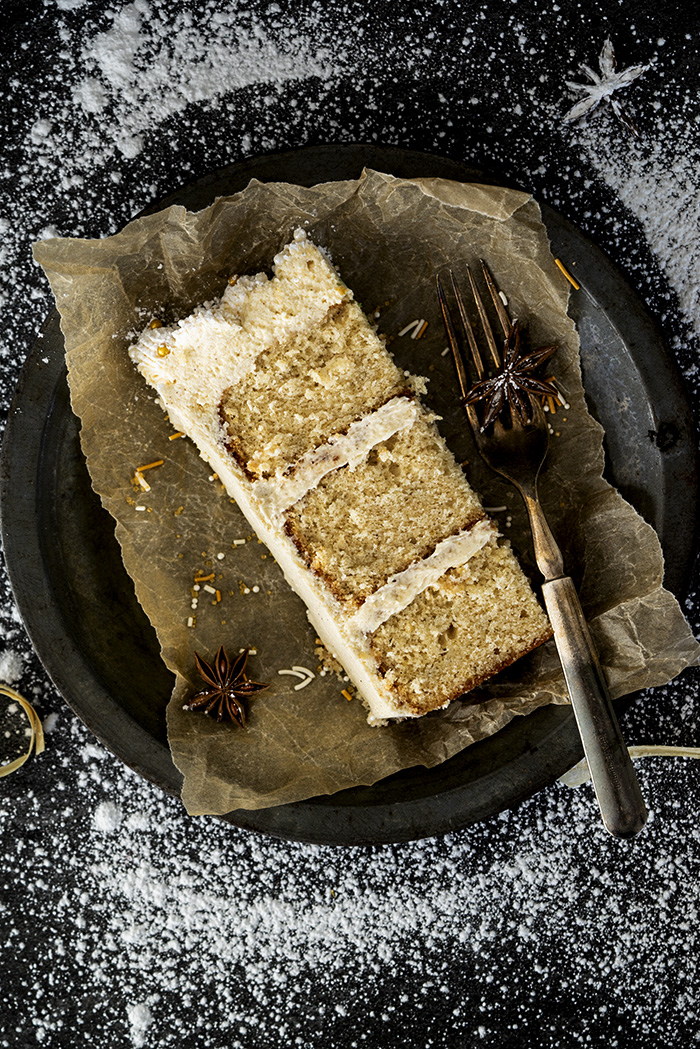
(527, 928)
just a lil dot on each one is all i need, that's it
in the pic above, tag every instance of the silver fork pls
(517, 452)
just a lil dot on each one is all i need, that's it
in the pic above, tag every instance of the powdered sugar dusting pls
(191, 918)
(130, 923)
(657, 189)
(151, 64)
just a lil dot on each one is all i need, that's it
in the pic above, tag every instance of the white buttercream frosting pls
(348, 449)
(194, 361)
(402, 588)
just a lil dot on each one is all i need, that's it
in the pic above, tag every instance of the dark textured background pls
(128, 923)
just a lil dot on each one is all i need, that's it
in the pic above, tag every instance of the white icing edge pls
(191, 373)
(328, 617)
(401, 589)
(348, 449)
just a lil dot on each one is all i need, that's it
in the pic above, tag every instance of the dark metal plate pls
(95, 642)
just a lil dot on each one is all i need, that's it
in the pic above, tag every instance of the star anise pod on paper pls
(513, 382)
(227, 687)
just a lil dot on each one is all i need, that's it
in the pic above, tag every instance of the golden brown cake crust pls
(405, 707)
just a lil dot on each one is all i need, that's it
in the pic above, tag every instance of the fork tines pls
(470, 335)
(512, 385)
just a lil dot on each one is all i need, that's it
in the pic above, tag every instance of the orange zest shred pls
(572, 280)
(138, 474)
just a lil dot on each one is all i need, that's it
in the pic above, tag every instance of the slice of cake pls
(293, 399)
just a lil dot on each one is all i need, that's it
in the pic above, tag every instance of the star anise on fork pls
(227, 687)
(513, 382)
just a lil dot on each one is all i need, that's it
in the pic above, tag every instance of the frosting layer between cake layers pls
(292, 398)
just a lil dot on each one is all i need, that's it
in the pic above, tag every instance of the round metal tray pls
(96, 644)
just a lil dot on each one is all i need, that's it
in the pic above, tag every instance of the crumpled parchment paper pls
(388, 237)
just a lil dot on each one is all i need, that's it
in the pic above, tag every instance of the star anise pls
(227, 687)
(513, 382)
(604, 87)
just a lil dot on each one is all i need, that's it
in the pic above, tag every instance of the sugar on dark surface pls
(130, 924)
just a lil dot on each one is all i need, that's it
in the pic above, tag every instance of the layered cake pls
(323, 442)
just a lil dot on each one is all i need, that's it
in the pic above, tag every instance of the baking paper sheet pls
(388, 237)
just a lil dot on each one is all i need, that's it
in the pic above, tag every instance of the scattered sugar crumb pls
(140, 1019)
(108, 817)
(11, 667)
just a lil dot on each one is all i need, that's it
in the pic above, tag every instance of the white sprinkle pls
(108, 817)
(301, 672)
(413, 326)
(11, 669)
(140, 1019)
(50, 722)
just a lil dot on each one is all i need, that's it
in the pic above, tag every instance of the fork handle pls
(614, 779)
